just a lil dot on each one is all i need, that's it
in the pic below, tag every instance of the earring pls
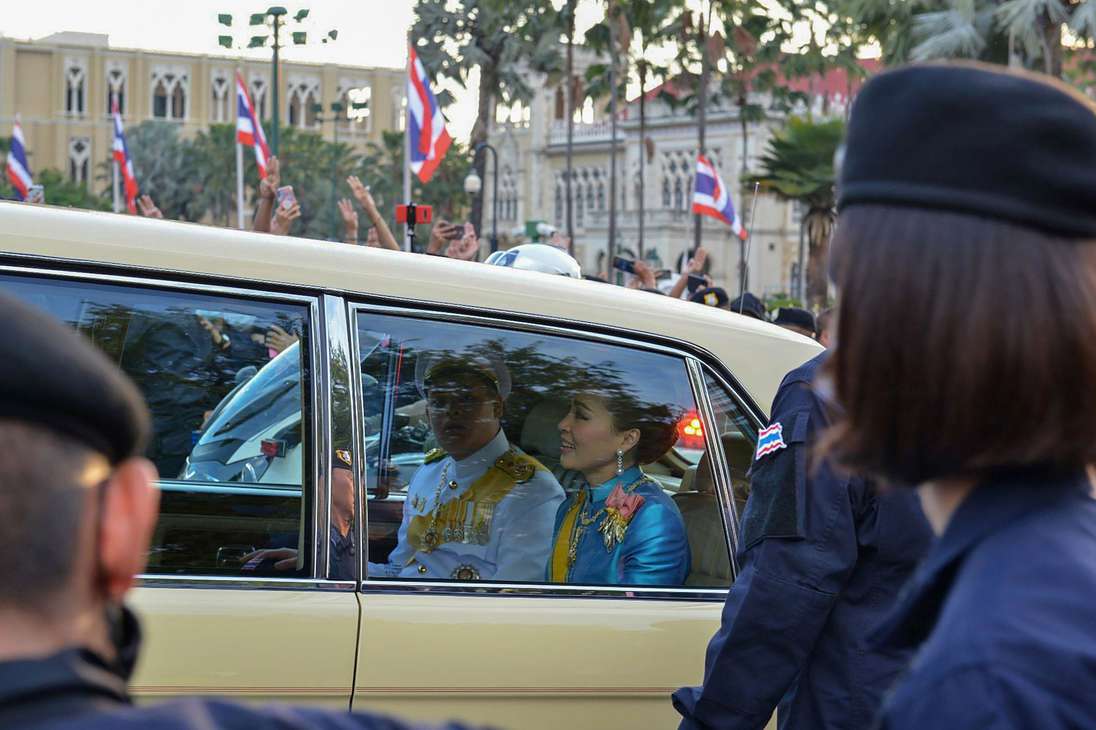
(620, 461)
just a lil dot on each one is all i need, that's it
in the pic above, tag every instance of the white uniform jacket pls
(486, 517)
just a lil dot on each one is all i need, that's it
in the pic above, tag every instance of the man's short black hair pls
(41, 507)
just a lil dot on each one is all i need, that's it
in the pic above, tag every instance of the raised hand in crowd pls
(277, 339)
(365, 199)
(268, 193)
(467, 247)
(695, 266)
(441, 235)
(644, 277)
(283, 219)
(148, 208)
(350, 221)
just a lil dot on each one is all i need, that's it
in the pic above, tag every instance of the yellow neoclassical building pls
(61, 86)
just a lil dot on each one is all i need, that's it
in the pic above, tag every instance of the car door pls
(241, 416)
(519, 650)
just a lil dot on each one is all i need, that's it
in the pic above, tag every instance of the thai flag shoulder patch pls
(769, 440)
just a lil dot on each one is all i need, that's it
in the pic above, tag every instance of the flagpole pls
(117, 189)
(407, 147)
(239, 185)
(746, 260)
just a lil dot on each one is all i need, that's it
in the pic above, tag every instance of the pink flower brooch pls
(620, 508)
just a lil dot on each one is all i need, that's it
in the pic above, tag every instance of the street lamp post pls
(277, 12)
(473, 185)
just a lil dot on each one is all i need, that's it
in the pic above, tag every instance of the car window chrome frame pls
(718, 460)
(688, 354)
(319, 406)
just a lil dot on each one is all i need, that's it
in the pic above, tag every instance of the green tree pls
(211, 163)
(1021, 32)
(640, 25)
(798, 165)
(381, 168)
(501, 39)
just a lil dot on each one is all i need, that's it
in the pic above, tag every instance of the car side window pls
(738, 437)
(523, 457)
(226, 381)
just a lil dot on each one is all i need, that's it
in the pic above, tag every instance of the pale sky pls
(371, 32)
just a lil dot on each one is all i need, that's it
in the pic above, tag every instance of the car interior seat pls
(699, 506)
(540, 439)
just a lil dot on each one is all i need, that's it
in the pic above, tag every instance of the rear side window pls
(226, 380)
(505, 456)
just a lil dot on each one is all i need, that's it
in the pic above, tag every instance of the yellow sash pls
(467, 519)
(561, 550)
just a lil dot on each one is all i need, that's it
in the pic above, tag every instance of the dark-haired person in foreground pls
(822, 558)
(77, 510)
(986, 400)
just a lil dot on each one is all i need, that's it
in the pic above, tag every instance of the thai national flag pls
(712, 198)
(17, 168)
(249, 130)
(425, 124)
(121, 157)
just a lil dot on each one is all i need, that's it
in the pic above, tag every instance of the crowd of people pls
(692, 283)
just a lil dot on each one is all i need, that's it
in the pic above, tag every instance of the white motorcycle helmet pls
(537, 257)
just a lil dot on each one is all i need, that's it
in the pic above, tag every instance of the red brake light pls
(272, 447)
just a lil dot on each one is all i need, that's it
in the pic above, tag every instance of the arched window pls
(304, 94)
(561, 105)
(559, 204)
(76, 79)
(601, 196)
(220, 85)
(79, 152)
(169, 93)
(116, 86)
(258, 96)
(579, 209)
(666, 197)
(679, 194)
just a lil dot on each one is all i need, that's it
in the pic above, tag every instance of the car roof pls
(757, 353)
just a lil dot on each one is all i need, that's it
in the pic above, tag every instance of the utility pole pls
(612, 138)
(702, 111)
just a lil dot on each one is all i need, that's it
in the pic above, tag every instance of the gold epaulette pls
(518, 466)
(434, 455)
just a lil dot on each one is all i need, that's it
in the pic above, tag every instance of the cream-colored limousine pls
(309, 548)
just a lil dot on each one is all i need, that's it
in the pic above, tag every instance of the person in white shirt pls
(479, 508)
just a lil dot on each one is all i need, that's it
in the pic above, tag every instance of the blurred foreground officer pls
(823, 558)
(975, 180)
(77, 509)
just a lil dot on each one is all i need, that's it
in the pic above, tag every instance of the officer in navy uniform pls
(965, 259)
(822, 559)
(478, 508)
(79, 508)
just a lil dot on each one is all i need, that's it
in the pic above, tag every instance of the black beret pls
(713, 296)
(750, 305)
(976, 139)
(52, 377)
(795, 317)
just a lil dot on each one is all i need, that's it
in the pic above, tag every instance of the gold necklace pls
(582, 523)
(430, 537)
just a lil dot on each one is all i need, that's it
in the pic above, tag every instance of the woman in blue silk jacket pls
(620, 528)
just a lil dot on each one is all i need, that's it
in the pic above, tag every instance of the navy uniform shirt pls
(75, 690)
(1004, 608)
(822, 559)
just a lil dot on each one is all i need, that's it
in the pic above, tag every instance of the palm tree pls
(1016, 32)
(799, 166)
